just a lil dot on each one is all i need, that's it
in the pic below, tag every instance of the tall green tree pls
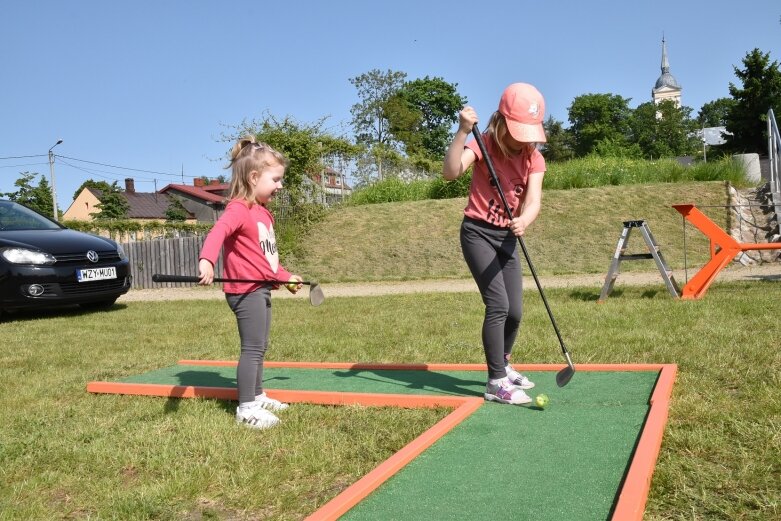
(760, 91)
(38, 197)
(559, 145)
(663, 129)
(370, 119)
(595, 117)
(421, 115)
(714, 113)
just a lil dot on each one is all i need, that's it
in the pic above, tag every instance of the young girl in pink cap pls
(488, 235)
(245, 232)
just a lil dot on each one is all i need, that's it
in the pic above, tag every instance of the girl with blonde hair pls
(488, 234)
(245, 232)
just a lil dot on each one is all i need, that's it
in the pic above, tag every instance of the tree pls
(38, 198)
(559, 145)
(663, 129)
(101, 186)
(714, 113)
(113, 205)
(370, 120)
(305, 145)
(421, 115)
(761, 91)
(175, 211)
(594, 117)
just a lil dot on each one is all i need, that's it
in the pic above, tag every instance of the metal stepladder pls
(655, 254)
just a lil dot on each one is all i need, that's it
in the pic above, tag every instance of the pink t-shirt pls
(484, 202)
(246, 234)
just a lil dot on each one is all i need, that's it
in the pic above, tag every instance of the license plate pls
(89, 274)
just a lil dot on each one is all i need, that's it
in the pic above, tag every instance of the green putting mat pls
(564, 462)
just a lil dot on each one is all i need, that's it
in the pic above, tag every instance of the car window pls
(14, 216)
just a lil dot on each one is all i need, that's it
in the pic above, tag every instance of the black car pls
(44, 264)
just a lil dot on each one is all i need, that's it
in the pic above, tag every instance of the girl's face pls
(514, 146)
(267, 182)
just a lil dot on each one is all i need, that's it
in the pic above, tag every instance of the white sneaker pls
(270, 404)
(517, 378)
(504, 391)
(256, 417)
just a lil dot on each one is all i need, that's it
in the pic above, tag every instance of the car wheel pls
(99, 304)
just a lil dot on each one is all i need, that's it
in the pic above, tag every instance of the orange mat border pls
(631, 501)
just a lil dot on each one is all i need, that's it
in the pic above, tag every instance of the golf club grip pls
(159, 277)
(489, 164)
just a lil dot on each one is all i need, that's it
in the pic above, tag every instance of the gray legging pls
(492, 257)
(253, 316)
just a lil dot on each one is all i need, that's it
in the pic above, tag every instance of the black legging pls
(492, 257)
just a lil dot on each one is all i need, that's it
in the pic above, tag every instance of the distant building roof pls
(147, 205)
(713, 136)
(143, 205)
(205, 193)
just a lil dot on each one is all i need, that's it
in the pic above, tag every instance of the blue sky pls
(152, 85)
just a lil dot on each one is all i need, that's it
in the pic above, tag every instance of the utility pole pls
(51, 178)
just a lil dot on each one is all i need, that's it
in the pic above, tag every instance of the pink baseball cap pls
(523, 107)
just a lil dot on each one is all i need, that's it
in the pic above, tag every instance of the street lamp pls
(51, 177)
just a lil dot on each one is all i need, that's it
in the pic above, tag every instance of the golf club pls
(316, 296)
(565, 375)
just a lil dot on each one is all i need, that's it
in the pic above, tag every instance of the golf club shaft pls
(492, 172)
(158, 277)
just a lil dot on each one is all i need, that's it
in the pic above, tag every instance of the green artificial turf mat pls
(586, 387)
(564, 462)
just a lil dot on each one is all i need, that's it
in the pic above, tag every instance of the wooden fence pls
(168, 256)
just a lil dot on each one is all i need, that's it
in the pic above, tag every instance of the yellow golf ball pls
(541, 401)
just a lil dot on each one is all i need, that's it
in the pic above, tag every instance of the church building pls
(667, 86)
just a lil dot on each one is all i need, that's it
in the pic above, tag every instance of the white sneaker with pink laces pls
(517, 378)
(503, 391)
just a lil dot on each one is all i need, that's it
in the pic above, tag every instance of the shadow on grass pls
(419, 380)
(590, 296)
(24, 315)
(206, 378)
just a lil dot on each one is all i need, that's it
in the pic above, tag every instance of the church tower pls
(667, 86)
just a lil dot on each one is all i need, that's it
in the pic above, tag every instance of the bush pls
(593, 171)
(440, 188)
(587, 172)
(390, 190)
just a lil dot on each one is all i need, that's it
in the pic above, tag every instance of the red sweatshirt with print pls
(246, 233)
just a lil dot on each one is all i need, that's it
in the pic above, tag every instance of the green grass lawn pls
(67, 454)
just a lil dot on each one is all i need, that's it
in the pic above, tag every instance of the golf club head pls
(565, 375)
(316, 296)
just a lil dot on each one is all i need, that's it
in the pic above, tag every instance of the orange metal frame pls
(634, 492)
(723, 249)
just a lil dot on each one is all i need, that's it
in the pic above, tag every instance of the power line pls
(119, 167)
(22, 157)
(25, 164)
(93, 171)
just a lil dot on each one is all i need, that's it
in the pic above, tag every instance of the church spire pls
(665, 63)
(666, 87)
